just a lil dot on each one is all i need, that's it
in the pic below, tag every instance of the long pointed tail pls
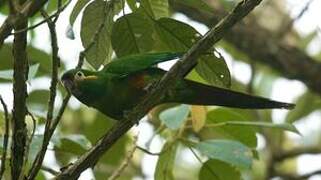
(201, 94)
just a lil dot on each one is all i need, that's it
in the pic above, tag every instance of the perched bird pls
(121, 84)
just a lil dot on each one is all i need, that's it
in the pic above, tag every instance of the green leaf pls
(175, 35)
(305, 104)
(132, 4)
(33, 71)
(214, 70)
(76, 10)
(35, 146)
(174, 117)
(101, 51)
(53, 5)
(199, 4)
(8, 74)
(37, 102)
(165, 163)
(232, 152)
(131, 34)
(155, 8)
(4, 9)
(218, 170)
(282, 126)
(246, 135)
(35, 56)
(74, 143)
(179, 37)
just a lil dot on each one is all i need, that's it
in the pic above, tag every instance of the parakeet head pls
(73, 77)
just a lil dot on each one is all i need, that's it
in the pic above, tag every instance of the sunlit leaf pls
(132, 4)
(35, 146)
(76, 10)
(178, 36)
(246, 135)
(8, 74)
(198, 114)
(281, 126)
(53, 5)
(75, 144)
(174, 117)
(199, 4)
(155, 8)
(100, 51)
(37, 102)
(132, 35)
(35, 56)
(232, 152)
(165, 163)
(214, 70)
(218, 170)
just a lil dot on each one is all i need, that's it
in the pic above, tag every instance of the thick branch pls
(298, 177)
(256, 42)
(177, 71)
(19, 131)
(297, 152)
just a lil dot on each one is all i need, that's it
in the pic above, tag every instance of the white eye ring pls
(79, 75)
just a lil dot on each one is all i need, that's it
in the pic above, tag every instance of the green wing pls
(137, 62)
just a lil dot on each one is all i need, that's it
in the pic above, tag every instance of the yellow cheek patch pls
(92, 77)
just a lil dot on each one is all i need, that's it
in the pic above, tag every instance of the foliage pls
(225, 138)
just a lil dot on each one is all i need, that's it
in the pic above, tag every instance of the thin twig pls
(180, 68)
(289, 25)
(53, 88)
(54, 15)
(59, 9)
(148, 152)
(5, 137)
(29, 9)
(50, 170)
(126, 161)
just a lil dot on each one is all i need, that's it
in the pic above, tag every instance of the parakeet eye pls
(79, 75)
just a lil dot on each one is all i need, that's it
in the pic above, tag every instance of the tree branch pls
(286, 176)
(288, 60)
(53, 88)
(297, 152)
(19, 130)
(53, 16)
(177, 71)
(29, 9)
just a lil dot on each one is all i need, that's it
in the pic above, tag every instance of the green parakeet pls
(121, 84)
